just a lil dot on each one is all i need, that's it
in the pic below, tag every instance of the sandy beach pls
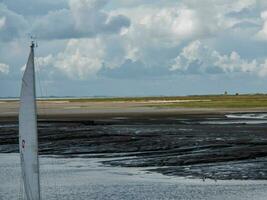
(83, 110)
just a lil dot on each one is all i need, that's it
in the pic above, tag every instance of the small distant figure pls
(203, 178)
(215, 179)
(236, 94)
(225, 93)
(214, 176)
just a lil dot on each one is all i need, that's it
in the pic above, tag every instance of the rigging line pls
(41, 93)
(42, 102)
(20, 187)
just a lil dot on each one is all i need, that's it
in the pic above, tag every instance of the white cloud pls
(4, 68)
(162, 26)
(156, 28)
(136, 38)
(234, 63)
(83, 58)
(198, 57)
(169, 26)
(80, 59)
(156, 34)
(44, 61)
(153, 31)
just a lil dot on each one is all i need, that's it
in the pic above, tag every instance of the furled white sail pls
(28, 140)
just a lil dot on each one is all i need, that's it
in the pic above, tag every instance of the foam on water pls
(239, 118)
(248, 116)
(233, 122)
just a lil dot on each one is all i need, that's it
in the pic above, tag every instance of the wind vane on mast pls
(33, 41)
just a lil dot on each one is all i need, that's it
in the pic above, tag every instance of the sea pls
(79, 178)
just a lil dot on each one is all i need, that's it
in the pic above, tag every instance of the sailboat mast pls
(28, 138)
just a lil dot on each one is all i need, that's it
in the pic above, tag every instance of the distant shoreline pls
(138, 107)
(137, 97)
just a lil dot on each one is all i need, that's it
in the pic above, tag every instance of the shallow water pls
(237, 121)
(79, 178)
(248, 116)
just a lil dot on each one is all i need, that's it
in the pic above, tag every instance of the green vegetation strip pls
(242, 101)
(171, 98)
(203, 101)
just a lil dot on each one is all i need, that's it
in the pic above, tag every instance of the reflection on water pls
(76, 178)
(8, 125)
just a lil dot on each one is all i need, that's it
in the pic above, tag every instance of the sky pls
(135, 47)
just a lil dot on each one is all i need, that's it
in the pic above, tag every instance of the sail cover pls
(28, 140)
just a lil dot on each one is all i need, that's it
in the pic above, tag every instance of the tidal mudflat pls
(218, 147)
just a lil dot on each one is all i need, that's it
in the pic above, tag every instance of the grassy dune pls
(221, 101)
(203, 101)
(225, 102)
(197, 101)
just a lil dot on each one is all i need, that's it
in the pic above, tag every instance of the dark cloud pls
(134, 70)
(58, 19)
(55, 25)
(246, 25)
(84, 18)
(33, 7)
(116, 23)
(244, 13)
(12, 25)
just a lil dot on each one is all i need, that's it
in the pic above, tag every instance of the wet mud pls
(196, 146)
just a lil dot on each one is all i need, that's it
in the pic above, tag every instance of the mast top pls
(33, 44)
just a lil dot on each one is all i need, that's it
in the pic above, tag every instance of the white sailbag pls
(28, 140)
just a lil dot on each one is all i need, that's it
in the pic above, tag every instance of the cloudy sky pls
(135, 47)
